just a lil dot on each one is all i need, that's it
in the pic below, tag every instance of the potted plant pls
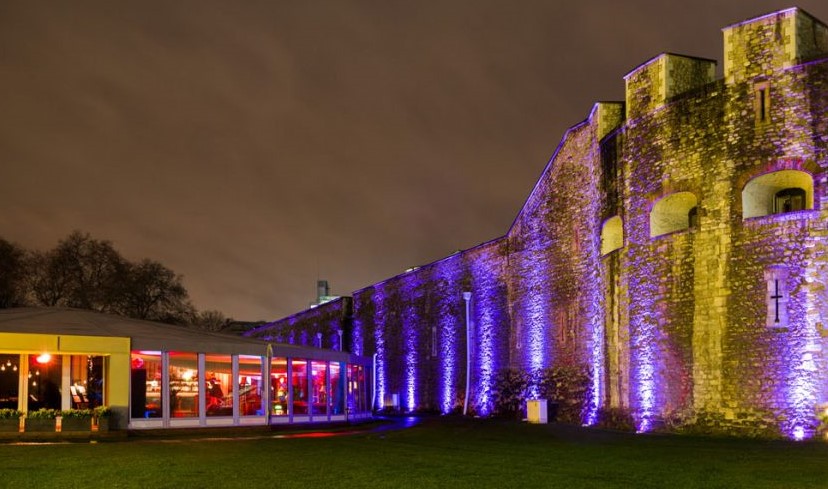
(10, 420)
(41, 420)
(100, 418)
(76, 420)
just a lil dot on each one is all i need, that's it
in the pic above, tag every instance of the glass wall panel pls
(218, 388)
(336, 401)
(319, 381)
(356, 389)
(146, 400)
(86, 373)
(364, 401)
(9, 381)
(299, 384)
(184, 385)
(45, 373)
(278, 387)
(250, 385)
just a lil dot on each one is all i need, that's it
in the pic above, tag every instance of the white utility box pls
(536, 411)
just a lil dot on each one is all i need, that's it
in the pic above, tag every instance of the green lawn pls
(438, 453)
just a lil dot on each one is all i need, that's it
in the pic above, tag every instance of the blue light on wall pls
(410, 338)
(379, 341)
(449, 326)
(486, 320)
(802, 390)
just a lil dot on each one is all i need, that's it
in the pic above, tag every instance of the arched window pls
(789, 200)
(674, 212)
(612, 235)
(777, 193)
(693, 218)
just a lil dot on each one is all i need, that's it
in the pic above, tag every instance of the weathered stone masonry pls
(676, 245)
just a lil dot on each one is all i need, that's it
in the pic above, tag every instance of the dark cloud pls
(253, 146)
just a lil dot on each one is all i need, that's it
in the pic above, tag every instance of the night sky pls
(254, 147)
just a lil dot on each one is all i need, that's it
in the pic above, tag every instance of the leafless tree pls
(211, 320)
(12, 275)
(86, 273)
(93, 269)
(149, 290)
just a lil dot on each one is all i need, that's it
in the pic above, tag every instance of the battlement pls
(653, 83)
(756, 47)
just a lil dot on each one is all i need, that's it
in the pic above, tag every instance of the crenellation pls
(663, 78)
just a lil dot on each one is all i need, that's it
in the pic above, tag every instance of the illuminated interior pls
(163, 376)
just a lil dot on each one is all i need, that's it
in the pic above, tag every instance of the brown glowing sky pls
(253, 146)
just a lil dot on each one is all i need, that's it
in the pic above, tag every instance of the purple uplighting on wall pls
(535, 319)
(644, 336)
(450, 324)
(357, 342)
(595, 317)
(379, 345)
(410, 339)
(486, 320)
(645, 355)
(596, 362)
(803, 388)
(801, 392)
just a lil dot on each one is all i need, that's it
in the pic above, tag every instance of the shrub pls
(616, 419)
(102, 411)
(757, 423)
(76, 413)
(42, 414)
(568, 386)
(510, 391)
(822, 415)
(10, 413)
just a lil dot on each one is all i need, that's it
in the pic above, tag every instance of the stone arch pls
(777, 192)
(612, 235)
(673, 213)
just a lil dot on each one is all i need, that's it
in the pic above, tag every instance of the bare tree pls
(12, 275)
(211, 320)
(93, 269)
(86, 273)
(48, 283)
(149, 290)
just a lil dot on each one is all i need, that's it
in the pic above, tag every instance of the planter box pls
(76, 424)
(102, 424)
(9, 425)
(40, 425)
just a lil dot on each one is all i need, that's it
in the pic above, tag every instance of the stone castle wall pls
(416, 325)
(305, 327)
(674, 323)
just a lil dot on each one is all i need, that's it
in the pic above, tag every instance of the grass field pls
(437, 453)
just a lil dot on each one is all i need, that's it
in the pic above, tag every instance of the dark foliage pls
(86, 273)
(568, 387)
(510, 392)
(12, 275)
(618, 418)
